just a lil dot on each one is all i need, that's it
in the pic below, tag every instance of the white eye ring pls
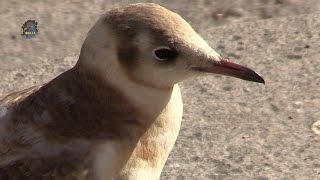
(163, 53)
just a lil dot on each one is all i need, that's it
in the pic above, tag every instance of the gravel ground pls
(231, 129)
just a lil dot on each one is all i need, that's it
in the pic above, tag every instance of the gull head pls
(152, 46)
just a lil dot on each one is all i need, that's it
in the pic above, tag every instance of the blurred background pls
(231, 129)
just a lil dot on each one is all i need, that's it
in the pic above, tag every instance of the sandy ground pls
(231, 129)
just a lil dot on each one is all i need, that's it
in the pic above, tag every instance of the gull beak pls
(228, 68)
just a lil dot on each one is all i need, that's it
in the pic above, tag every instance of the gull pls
(116, 114)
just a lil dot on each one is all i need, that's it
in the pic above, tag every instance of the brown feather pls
(81, 106)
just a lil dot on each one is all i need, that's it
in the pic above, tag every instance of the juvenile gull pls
(116, 114)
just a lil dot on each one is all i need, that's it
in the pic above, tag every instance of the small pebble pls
(316, 127)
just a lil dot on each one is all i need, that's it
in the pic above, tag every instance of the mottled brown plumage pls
(88, 109)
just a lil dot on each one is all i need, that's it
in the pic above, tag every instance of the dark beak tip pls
(255, 77)
(261, 80)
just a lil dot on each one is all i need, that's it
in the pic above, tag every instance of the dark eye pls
(164, 53)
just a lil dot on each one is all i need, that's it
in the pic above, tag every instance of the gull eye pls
(164, 53)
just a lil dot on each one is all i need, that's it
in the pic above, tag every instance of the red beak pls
(228, 68)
